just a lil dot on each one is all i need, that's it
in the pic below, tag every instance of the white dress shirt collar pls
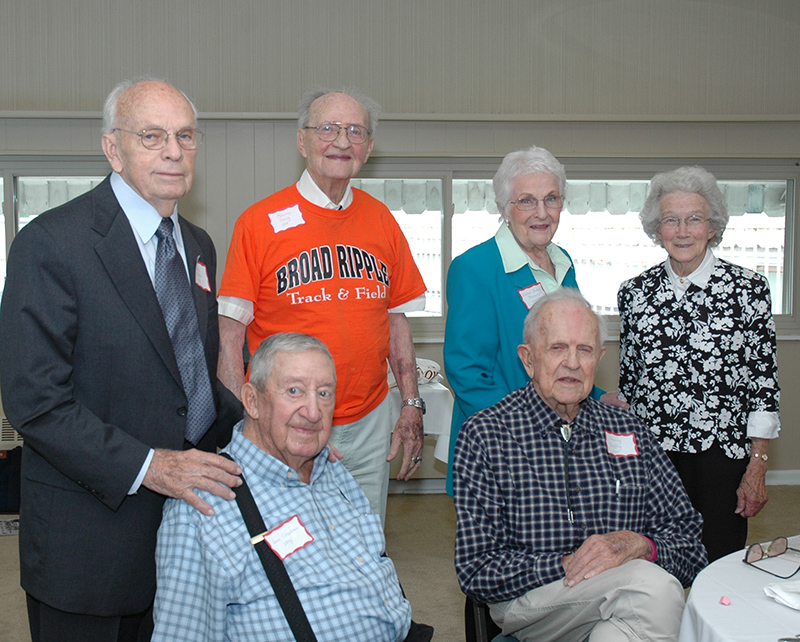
(310, 191)
(699, 277)
(143, 217)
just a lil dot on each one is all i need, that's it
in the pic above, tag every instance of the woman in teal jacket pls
(491, 286)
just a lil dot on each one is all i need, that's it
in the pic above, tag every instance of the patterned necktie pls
(177, 305)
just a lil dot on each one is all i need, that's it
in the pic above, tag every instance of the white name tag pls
(621, 445)
(286, 219)
(531, 294)
(288, 538)
(201, 276)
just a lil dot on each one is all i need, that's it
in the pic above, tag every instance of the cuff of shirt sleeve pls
(763, 425)
(240, 310)
(653, 552)
(137, 483)
(415, 305)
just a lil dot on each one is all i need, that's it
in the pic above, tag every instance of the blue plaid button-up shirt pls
(525, 497)
(212, 586)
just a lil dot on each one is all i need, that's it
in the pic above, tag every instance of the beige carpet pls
(420, 531)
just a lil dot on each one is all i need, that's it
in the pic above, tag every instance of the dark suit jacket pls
(89, 379)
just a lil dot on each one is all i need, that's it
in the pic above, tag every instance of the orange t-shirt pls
(329, 273)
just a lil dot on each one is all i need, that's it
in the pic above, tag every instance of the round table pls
(751, 615)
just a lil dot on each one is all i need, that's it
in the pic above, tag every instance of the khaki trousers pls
(365, 445)
(636, 601)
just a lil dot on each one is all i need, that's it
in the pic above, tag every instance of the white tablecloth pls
(438, 414)
(751, 615)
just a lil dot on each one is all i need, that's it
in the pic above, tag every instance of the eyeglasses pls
(776, 547)
(156, 138)
(526, 202)
(673, 223)
(329, 132)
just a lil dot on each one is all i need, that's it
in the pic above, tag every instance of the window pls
(3, 239)
(32, 186)
(599, 226)
(37, 194)
(417, 206)
(601, 230)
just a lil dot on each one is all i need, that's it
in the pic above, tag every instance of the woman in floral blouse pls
(698, 357)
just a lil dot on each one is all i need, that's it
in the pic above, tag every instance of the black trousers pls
(711, 479)
(53, 625)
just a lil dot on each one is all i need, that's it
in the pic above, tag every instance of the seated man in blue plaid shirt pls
(211, 583)
(572, 522)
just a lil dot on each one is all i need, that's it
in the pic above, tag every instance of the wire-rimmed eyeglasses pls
(329, 132)
(776, 547)
(526, 202)
(157, 138)
(673, 222)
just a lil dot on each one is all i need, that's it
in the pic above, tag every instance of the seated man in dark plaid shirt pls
(572, 521)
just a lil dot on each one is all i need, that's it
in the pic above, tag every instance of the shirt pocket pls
(626, 506)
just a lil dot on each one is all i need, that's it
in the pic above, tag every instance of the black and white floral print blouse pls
(693, 369)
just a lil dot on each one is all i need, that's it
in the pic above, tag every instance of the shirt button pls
(182, 411)
(290, 474)
(332, 527)
(360, 559)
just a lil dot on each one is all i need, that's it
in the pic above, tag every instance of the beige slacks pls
(636, 601)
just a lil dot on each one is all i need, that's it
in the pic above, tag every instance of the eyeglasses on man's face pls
(157, 138)
(329, 132)
(526, 202)
(673, 222)
(776, 547)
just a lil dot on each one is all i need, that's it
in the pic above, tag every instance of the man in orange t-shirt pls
(322, 258)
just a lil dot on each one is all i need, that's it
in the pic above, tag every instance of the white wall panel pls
(451, 57)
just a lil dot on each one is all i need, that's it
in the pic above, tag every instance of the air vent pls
(9, 438)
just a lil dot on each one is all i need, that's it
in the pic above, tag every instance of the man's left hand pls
(408, 433)
(602, 552)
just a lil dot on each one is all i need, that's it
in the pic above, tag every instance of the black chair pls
(478, 624)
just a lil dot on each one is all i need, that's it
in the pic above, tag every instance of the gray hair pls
(534, 160)
(562, 294)
(263, 359)
(685, 179)
(372, 108)
(110, 105)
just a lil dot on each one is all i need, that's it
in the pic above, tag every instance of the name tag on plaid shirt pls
(288, 538)
(621, 444)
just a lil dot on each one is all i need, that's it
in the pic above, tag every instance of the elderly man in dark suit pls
(108, 359)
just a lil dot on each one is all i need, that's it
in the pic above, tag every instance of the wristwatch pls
(761, 456)
(417, 402)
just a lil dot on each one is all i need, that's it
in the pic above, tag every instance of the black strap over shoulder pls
(276, 571)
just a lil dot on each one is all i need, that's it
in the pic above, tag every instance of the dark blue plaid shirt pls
(513, 508)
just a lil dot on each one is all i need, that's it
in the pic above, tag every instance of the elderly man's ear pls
(526, 356)
(250, 400)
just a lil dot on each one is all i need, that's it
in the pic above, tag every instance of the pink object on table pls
(725, 600)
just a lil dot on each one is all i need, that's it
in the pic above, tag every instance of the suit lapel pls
(120, 255)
